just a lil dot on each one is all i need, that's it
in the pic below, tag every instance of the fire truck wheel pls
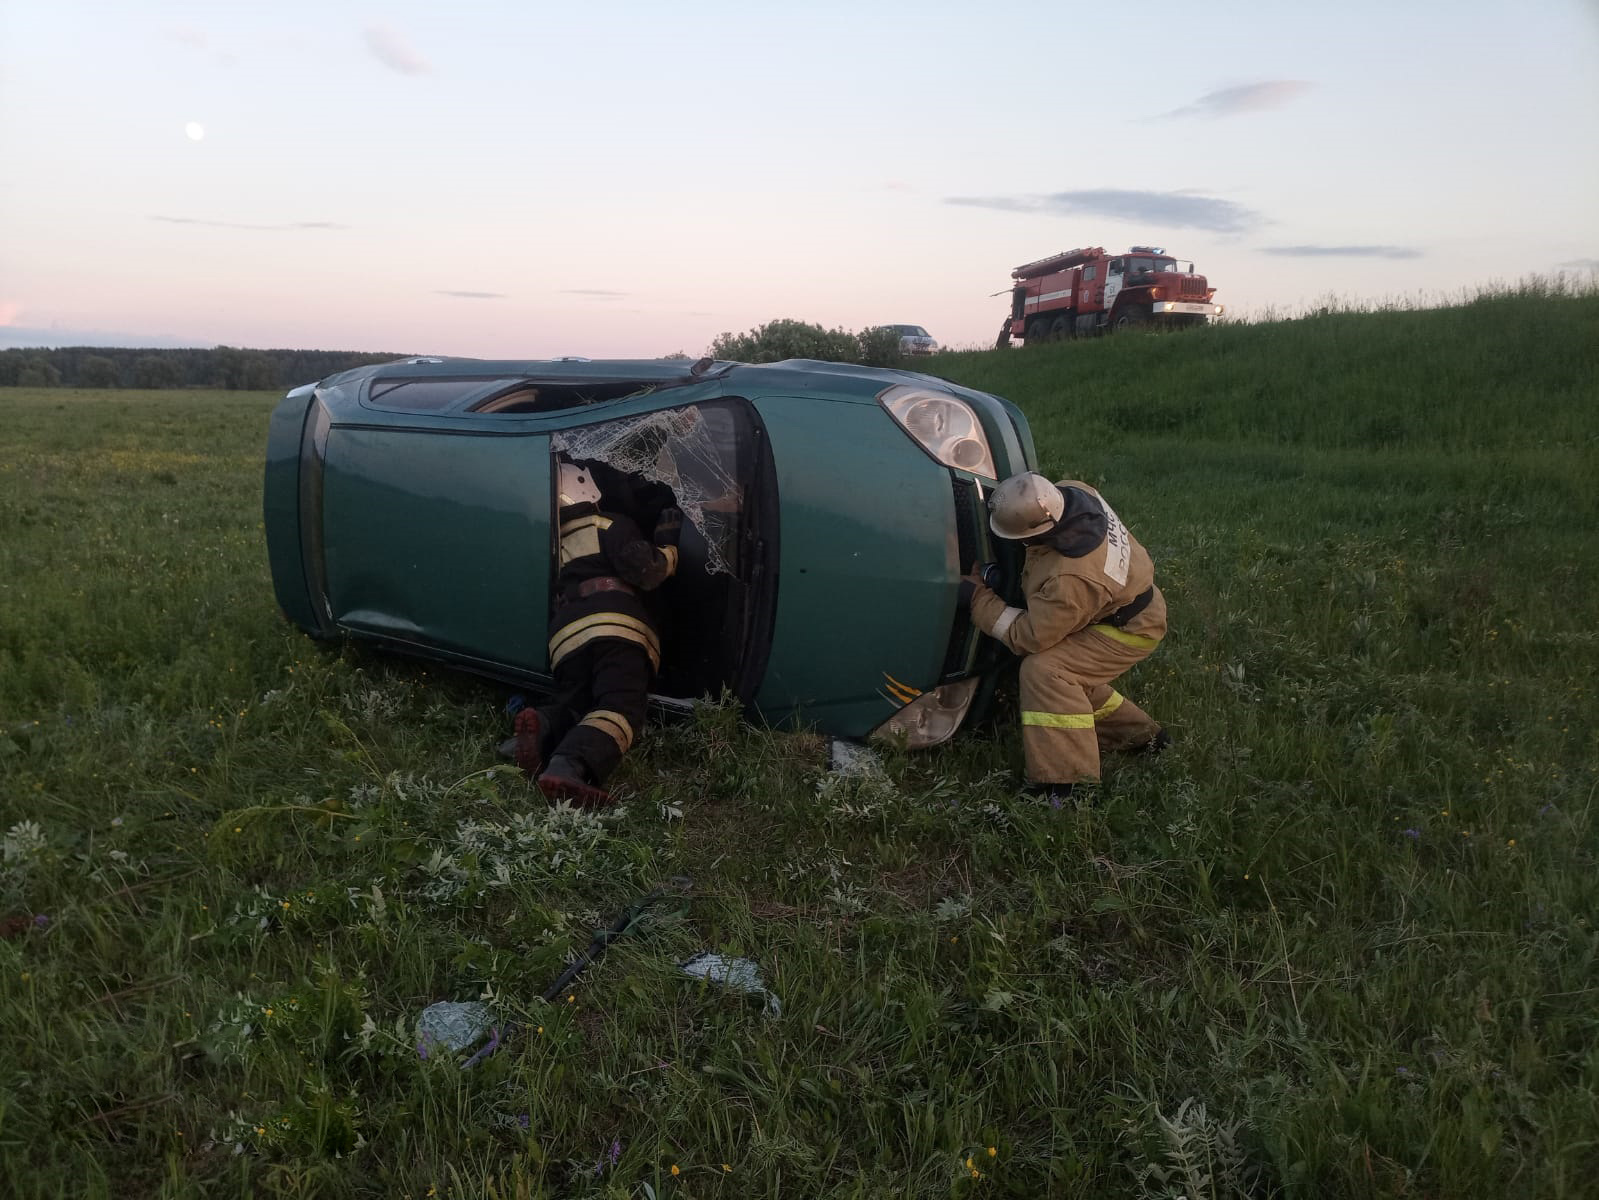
(1037, 331)
(1059, 329)
(1134, 316)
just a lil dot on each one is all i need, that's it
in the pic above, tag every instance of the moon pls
(194, 131)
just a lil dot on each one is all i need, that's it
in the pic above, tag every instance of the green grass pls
(1339, 942)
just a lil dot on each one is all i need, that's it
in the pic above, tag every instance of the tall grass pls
(1339, 942)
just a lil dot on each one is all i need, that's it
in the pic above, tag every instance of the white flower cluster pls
(21, 845)
(555, 841)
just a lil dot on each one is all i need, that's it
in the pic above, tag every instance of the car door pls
(440, 537)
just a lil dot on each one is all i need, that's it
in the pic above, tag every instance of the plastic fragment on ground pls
(739, 974)
(851, 759)
(452, 1026)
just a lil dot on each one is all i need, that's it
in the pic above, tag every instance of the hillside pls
(1339, 942)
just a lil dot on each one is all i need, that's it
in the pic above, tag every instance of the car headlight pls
(931, 718)
(944, 426)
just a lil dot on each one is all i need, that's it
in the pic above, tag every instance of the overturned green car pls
(830, 513)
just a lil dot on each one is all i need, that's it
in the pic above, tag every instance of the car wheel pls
(1134, 316)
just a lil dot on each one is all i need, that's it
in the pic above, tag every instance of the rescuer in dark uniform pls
(604, 649)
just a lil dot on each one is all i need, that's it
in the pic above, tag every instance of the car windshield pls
(909, 330)
(700, 453)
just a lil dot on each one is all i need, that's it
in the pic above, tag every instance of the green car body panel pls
(428, 531)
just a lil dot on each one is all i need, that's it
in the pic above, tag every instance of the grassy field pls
(1339, 942)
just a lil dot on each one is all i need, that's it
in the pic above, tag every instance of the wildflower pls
(571, 999)
(266, 1012)
(116, 822)
(1413, 834)
(727, 1168)
(40, 921)
(541, 1029)
(675, 1170)
(283, 904)
(969, 1162)
(993, 1151)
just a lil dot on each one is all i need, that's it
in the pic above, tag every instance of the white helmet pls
(577, 487)
(1025, 506)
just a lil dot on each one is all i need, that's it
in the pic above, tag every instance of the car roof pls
(802, 375)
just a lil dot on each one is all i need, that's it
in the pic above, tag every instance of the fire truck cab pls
(1087, 291)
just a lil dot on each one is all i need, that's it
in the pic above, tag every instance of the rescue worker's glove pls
(668, 526)
(970, 582)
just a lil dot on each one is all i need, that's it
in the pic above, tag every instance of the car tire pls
(1134, 316)
(1038, 331)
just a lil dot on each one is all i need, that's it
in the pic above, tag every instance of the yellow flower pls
(571, 999)
(1511, 842)
(675, 1171)
(267, 1011)
(993, 1151)
(541, 1029)
(727, 1167)
(968, 1162)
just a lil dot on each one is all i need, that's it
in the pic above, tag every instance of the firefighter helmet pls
(1025, 506)
(577, 486)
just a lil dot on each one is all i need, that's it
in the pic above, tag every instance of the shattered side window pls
(704, 453)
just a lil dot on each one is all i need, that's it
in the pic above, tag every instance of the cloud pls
(1571, 264)
(294, 225)
(1183, 210)
(389, 48)
(10, 310)
(470, 295)
(1247, 98)
(596, 293)
(16, 337)
(1342, 251)
(188, 35)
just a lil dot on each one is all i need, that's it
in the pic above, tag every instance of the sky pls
(530, 179)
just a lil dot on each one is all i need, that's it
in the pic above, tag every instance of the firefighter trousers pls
(1070, 713)
(601, 695)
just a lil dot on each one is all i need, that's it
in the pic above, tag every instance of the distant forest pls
(220, 367)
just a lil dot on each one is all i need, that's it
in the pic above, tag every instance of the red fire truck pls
(1086, 291)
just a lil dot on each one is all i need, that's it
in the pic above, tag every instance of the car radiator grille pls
(968, 514)
(1191, 287)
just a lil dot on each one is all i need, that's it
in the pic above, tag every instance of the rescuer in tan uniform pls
(1093, 610)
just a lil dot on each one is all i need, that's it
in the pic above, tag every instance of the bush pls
(778, 340)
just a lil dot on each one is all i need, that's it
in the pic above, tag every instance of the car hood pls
(868, 572)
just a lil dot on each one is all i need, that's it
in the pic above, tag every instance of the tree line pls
(234, 369)
(225, 367)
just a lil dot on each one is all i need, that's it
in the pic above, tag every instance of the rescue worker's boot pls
(1057, 795)
(565, 778)
(530, 742)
